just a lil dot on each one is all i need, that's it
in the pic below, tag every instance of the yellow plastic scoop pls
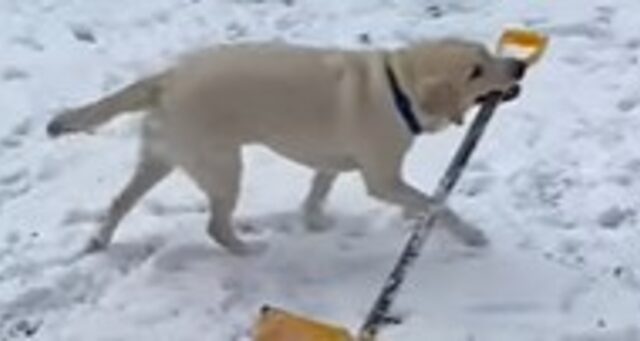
(278, 325)
(522, 44)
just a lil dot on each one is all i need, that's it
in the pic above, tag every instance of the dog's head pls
(451, 76)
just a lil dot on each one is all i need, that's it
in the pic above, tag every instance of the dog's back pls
(252, 87)
(248, 87)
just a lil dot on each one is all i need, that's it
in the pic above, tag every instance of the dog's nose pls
(518, 69)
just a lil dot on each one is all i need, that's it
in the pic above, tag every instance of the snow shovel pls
(278, 325)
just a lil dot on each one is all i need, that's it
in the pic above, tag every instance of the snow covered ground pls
(555, 184)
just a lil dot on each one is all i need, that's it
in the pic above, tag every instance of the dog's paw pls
(247, 249)
(409, 214)
(317, 221)
(466, 232)
(94, 245)
(474, 237)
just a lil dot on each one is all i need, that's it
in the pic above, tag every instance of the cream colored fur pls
(329, 109)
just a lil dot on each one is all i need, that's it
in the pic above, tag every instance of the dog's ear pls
(440, 97)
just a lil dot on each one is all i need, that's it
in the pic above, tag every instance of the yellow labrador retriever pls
(332, 110)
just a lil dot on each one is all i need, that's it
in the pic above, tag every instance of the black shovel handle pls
(379, 313)
(468, 145)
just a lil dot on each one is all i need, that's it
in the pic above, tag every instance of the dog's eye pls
(476, 72)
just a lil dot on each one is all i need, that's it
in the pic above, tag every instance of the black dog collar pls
(402, 102)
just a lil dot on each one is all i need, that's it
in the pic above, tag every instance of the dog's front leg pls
(391, 188)
(313, 207)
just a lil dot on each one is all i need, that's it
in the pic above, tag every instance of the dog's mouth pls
(512, 93)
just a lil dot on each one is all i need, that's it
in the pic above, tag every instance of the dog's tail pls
(138, 96)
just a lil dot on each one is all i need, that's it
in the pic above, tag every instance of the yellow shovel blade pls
(278, 325)
(523, 44)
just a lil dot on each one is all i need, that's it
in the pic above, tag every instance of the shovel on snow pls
(278, 325)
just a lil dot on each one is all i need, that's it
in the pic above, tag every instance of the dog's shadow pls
(180, 257)
(292, 223)
(278, 228)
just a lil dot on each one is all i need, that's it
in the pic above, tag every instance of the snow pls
(555, 183)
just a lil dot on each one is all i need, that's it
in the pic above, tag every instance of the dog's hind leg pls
(149, 171)
(316, 198)
(217, 171)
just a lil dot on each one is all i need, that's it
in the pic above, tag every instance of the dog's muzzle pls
(512, 93)
(518, 69)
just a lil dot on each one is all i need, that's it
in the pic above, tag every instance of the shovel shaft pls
(379, 313)
(468, 145)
